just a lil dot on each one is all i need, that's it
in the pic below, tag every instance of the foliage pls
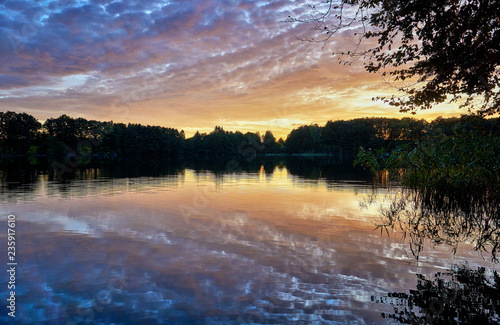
(139, 141)
(350, 135)
(343, 138)
(452, 185)
(18, 131)
(220, 143)
(462, 162)
(63, 136)
(270, 144)
(460, 296)
(305, 139)
(451, 48)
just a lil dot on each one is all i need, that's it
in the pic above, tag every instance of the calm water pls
(272, 244)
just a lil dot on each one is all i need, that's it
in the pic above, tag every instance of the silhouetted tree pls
(349, 135)
(150, 141)
(63, 128)
(450, 47)
(218, 143)
(305, 139)
(18, 131)
(270, 144)
(21, 133)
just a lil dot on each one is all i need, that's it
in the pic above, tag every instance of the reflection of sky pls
(200, 248)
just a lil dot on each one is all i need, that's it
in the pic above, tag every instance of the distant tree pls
(253, 138)
(249, 146)
(218, 129)
(305, 139)
(450, 48)
(407, 129)
(219, 144)
(18, 131)
(349, 135)
(150, 141)
(67, 135)
(64, 128)
(270, 144)
(194, 145)
(111, 144)
(268, 138)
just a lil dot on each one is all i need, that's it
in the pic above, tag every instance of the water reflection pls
(178, 245)
(22, 172)
(459, 296)
(444, 218)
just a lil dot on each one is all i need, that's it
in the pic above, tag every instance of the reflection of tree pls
(19, 173)
(445, 218)
(327, 168)
(461, 296)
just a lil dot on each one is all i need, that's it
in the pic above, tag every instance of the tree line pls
(23, 134)
(345, 138)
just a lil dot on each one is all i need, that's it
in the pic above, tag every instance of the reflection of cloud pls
(224, 255)
(175, 63)
(275, 244)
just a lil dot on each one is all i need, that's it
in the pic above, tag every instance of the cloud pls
(177, 63)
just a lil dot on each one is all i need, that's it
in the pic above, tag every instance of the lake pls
(283, 241)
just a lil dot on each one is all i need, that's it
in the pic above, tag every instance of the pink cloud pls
(182, 64)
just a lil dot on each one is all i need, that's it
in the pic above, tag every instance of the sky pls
(189, 65)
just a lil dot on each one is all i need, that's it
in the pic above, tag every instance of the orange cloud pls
(189, 65)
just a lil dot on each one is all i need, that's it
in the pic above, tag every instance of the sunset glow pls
(188, 65)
